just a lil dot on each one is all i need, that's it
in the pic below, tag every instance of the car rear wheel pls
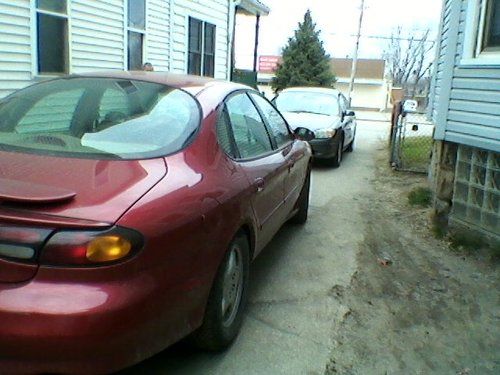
(303, 202)
(227, 300)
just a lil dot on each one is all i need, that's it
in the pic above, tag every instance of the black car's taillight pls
(91, 248)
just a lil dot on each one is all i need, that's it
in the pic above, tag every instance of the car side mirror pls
(304, 134)
(350, 114)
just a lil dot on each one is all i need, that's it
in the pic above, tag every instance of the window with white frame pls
(491, 33)
(135, 33)
(52, 36)
(482, 34)
(201, 48)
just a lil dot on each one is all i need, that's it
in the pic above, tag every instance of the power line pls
(385, 37)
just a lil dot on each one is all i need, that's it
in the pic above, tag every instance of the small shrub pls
(420, 196)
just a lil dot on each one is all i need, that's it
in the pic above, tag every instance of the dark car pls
(130, 207)
(325, 112)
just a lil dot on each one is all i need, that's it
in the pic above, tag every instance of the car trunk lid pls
(40, 194)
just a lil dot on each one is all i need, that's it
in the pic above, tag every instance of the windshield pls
(308, 102)
(98, 118)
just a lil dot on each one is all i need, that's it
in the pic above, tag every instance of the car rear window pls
(98, 118)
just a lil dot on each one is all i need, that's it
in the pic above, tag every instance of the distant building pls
(464, 104)
(371, 90)
(43, 39)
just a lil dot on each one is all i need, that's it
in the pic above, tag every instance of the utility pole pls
(355, 57)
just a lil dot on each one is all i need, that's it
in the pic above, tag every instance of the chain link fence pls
(411, 142)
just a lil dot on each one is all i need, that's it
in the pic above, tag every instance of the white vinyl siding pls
(158, 34)
(214, 12)
(15, 45)
(97, 35)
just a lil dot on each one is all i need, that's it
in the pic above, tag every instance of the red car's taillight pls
(88, 248)
(21, 244)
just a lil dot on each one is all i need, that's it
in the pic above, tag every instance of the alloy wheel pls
(232, 286)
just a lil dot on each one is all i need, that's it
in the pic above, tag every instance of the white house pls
(46, 38)
(371, 90)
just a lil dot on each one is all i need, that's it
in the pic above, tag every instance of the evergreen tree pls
(305, 62)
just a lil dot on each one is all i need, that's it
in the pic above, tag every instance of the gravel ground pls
(415, 307)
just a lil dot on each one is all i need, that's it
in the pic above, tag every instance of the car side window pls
(277, 124)
(224, 135)
(249, 131)
(343, 104)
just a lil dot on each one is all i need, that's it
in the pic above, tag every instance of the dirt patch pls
(414, 306)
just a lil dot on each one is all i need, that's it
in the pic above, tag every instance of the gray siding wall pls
(465, 100)
(442, 46)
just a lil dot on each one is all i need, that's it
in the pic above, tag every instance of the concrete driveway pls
(292, 311)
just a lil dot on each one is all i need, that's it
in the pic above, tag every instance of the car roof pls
(319, 90)
(192, 84)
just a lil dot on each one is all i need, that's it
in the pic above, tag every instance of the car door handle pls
(259, 184)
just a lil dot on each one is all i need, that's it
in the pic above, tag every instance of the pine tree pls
(305, 62)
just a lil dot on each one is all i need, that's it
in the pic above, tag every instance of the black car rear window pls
(98, 118)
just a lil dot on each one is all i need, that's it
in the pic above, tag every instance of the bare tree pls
(409, 60)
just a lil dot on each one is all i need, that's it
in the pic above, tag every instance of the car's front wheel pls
(227, 300)
(351, 146)
(337, 159)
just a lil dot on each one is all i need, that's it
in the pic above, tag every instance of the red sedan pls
(130, 207)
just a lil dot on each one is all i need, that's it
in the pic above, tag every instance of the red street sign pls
(269, 64)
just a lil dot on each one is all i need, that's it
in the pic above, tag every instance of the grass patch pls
(466, 242)
(420, 196)
(416, 151)
(469, 243)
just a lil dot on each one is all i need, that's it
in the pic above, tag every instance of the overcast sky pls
(337, 20)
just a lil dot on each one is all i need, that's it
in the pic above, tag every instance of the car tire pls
(337, 159)
(227, 300)
(350, 148)
(303, 202)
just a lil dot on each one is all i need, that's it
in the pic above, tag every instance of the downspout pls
(256, 48)
(170, 36)
(231, 37)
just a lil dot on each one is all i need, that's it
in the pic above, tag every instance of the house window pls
(52, 36)
(482, 34)
(201, 48)
(135, 33)
(491, 39)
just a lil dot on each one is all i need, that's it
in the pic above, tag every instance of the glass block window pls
(477, 188)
